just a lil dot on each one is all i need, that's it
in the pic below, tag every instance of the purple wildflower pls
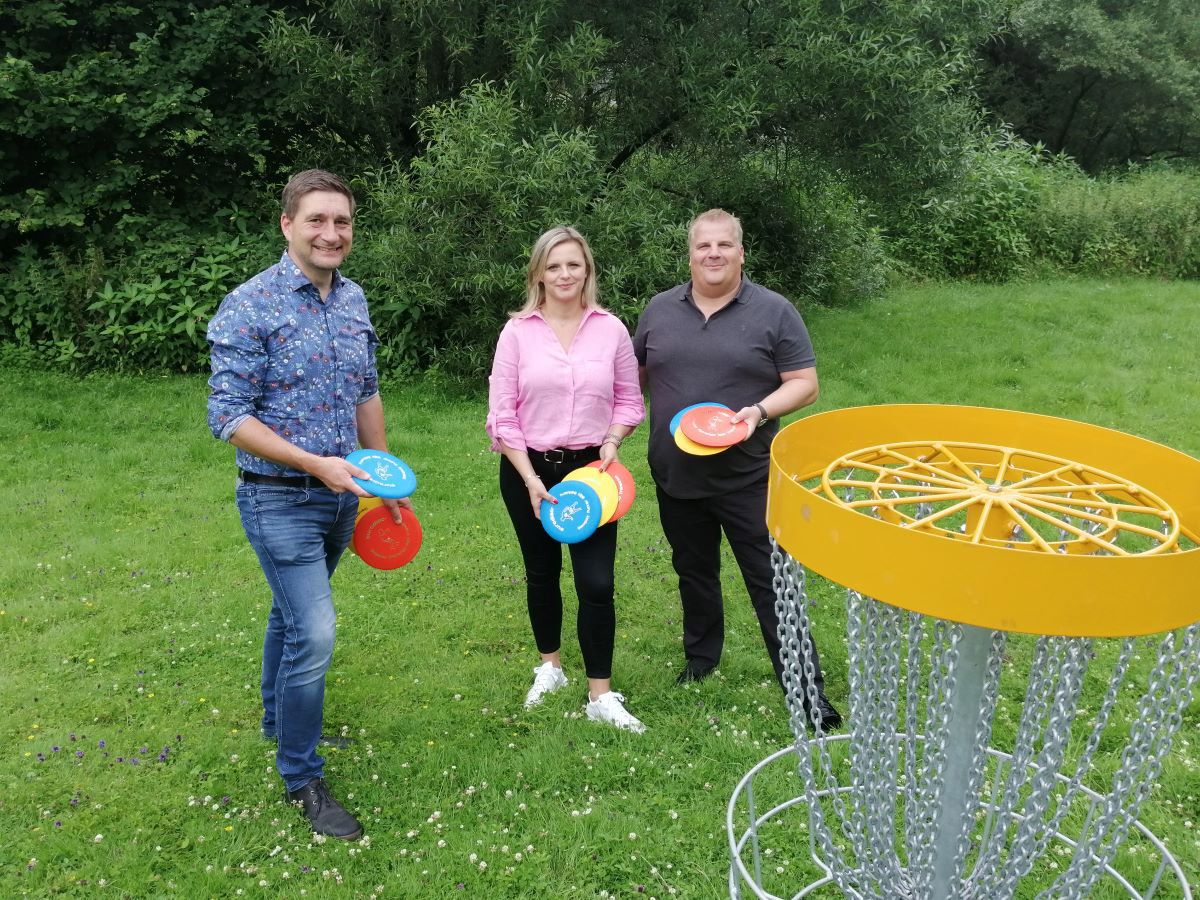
(79, 754)
(134, 761)
(100, 744)
(225, 800)
(120, 759)
(58, 823)
(55, 748)
(144, 750)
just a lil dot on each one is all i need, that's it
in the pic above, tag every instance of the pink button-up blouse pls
(541, 397)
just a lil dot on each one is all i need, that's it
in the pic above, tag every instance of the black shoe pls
(830, 717)
(692, 671)
(325, 814)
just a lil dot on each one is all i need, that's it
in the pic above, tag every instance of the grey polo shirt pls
(734, 358)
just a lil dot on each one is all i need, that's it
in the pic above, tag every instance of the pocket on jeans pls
(267, 497)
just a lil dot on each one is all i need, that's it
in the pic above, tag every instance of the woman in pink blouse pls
(564, 392)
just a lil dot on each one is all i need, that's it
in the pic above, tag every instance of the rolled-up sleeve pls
(370, 381)
(238, 360)
(502, 421)
(628, 406)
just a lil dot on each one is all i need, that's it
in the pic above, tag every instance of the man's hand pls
(337, 474)
(751, 416)
(393, 506)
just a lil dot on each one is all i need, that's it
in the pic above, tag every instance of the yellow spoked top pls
(1002, 497)
(994, 518)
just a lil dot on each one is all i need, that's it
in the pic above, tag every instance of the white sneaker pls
(610, 708)
(546, 678)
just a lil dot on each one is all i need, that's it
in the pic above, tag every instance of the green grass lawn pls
(132, 609)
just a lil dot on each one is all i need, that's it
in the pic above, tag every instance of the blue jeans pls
(299, 535)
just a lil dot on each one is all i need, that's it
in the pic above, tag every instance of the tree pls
(879, 89)
(110, 111)
(1106, 81)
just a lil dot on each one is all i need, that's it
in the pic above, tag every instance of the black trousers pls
(693, 529)
(592, 561)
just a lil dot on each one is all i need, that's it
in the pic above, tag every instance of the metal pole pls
(966, 693)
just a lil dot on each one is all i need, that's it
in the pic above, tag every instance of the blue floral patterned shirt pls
(297, 363)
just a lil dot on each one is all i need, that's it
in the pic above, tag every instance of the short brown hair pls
(312, 180)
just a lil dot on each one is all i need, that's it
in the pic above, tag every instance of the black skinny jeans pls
(592, 561)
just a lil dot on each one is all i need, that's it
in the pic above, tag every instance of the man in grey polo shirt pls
(721, 338)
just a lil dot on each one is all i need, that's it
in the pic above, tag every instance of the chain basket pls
(987, 585)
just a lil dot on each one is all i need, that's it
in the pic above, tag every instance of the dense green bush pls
(444, 243)
(1014, 209)
(979, 224)
(806, 232)
(144, 307)
(1142, 222)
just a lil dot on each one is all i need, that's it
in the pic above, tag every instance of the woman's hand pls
(608, 454)
(538, 493)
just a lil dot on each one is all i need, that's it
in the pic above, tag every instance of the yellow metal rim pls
(860, 530)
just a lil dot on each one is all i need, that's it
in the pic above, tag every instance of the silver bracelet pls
(611, 438)
(534, 477)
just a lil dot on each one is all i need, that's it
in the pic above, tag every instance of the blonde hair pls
(535, 291)
(716, 216)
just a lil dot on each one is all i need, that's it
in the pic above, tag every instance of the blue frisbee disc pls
(390, 476)
(678, 417)
(576, 515)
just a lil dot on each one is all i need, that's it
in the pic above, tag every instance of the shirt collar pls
(295, 279)
(587, 313)
(742, 295)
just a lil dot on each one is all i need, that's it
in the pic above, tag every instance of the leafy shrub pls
(443, 243)
(1142, 222)
(977, 225)
(144, 308)
(806, 233)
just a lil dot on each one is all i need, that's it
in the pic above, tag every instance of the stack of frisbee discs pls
(703, 429)
(378, 540)
(587, 498)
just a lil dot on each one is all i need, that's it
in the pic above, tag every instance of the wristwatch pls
(762, 412)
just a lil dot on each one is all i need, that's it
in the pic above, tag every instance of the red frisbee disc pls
(382, 544)
(710, 426)
(626, 489)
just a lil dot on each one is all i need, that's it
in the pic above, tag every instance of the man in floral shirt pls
(294, 389)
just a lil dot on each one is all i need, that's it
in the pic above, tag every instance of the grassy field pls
(132, 608)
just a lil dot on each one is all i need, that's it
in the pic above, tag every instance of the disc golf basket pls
(958, 532)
